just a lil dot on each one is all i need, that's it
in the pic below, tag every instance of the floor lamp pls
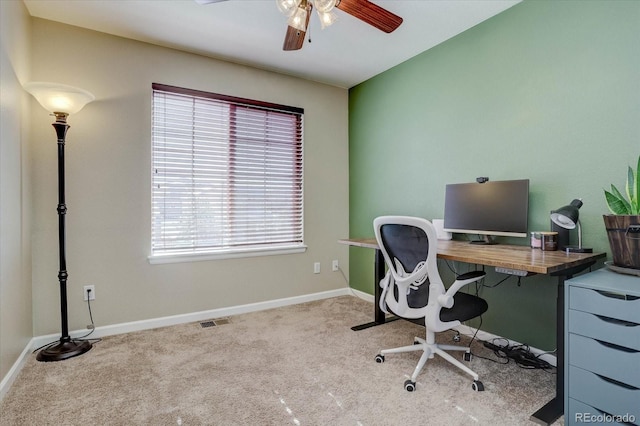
(61, 100)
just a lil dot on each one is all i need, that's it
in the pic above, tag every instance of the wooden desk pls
(502, 255)
(554, 263)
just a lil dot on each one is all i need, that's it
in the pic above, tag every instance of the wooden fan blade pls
(294, 39)
(371, 13)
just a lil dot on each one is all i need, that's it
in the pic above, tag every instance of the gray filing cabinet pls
(602, 349)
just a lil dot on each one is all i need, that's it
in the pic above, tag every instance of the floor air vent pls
(214, 322)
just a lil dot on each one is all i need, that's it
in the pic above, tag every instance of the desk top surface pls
(503, 255)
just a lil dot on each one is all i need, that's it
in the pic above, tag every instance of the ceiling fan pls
(299, 12)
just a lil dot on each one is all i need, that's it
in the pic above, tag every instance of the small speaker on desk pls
(440, 232)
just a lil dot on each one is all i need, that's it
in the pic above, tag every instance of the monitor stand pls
(486, 240)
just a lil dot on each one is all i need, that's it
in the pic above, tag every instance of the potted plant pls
(623, 225)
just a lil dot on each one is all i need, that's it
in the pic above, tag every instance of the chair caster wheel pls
(379, 359)
(477, 386)
(467, 356)
(409, 386)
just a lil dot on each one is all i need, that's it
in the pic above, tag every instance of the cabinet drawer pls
(579, 413)
(609, 304)
(613, 362)
(611, 398)
(603, 328)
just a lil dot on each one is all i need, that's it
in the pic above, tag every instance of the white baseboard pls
(362, 295)
(128, 327)
(112, 330)
(12, 374)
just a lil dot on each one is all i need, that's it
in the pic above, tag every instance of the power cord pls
(499, 282)
(91, 326)
(457, 338)
(520, 354)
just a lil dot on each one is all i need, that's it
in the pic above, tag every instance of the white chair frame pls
(439, 297)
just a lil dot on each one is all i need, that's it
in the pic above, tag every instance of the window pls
(226, 175)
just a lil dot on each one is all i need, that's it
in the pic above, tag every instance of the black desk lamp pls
(61, 100)
(567, 218)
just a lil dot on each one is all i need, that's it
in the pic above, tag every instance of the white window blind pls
(227, 173)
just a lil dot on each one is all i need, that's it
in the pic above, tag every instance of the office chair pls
(412, 289)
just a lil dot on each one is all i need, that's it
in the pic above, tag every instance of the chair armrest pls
(473, 275)
(446, 300)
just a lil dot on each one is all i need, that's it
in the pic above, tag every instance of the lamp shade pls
(326, 18)
(567, 216)
(298, 19)
(324, 6)
(59, 98)
(288, 7)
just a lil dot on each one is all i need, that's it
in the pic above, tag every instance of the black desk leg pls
(553, 409)
(378, 315)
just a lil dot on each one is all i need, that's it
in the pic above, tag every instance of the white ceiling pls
(251, 32)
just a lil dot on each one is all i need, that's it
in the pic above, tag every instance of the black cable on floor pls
(520, 354)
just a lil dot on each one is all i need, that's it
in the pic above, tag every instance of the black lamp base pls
(64, 350)
(576, 249)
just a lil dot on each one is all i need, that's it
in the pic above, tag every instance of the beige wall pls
(15, 231)
(108, 184)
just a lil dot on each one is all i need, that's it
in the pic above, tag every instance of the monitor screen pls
(489, 209)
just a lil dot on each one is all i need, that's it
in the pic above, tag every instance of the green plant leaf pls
(616, 202)
(635, 200)
(630, 185)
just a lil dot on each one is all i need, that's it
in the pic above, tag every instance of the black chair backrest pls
(408, 244)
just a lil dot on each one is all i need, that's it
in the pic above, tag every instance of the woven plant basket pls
(623, 232)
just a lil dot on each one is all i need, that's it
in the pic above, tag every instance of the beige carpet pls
(299, 365)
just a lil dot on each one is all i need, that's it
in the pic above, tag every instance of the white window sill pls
(225, 254)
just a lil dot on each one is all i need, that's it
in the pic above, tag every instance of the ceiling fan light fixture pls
(324, 6)
(298, 19)
(326, 18)
(288, 7)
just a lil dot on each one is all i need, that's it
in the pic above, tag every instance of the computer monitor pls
(487, 209)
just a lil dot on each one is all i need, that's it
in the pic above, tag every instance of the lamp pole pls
(67, 347)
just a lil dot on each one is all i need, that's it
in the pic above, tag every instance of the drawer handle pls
(617, 347)
(615, 382)
(620, 296)
(617, 321)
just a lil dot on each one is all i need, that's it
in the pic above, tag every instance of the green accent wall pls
(547, 90)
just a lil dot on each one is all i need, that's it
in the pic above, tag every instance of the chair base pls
(429, 350)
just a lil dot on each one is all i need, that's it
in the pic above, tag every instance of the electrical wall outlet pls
(335, 265)
(89, 292)
(316, 268)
